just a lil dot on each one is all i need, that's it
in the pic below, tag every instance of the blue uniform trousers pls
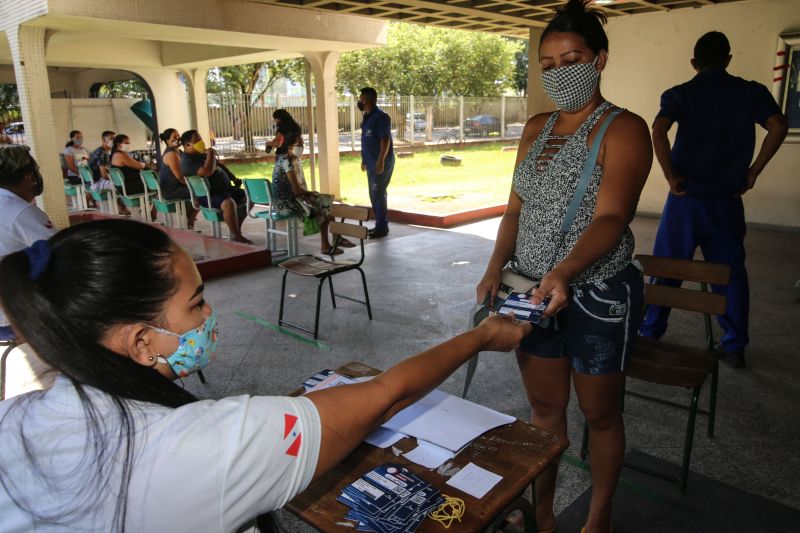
(377, 191)
(717, 226)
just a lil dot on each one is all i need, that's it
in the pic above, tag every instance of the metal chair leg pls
(687, 446)
(333, 296)
(472, 365)
(366, 292)
(6, 352)
(316, 314)
(712, 404)
(528, 514)
(283, 294)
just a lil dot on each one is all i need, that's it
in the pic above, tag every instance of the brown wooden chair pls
(311, 266)
(673, 364)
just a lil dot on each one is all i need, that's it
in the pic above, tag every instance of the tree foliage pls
(9, 99)
(254, 79)
(431, 61)
(521, 69)
(133, 88)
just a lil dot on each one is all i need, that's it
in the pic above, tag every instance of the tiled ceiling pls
(507, 17)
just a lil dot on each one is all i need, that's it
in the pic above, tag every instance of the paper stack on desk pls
(446, 420)
(390, 499)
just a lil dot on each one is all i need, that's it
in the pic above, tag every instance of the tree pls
(521, 69)
(246, 84)
(9, 101)
(132, 88)
(431, 61)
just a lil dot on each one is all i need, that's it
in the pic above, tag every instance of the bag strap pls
(586, 174)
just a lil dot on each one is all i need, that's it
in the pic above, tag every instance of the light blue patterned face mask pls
(195, 348)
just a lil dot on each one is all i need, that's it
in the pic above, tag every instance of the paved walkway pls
(422, 284)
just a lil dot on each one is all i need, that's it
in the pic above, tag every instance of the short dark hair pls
(73, 133)
(370, 93)
(16, 162)
(187, 135)
(106, 134)
(712, 50)
(575, 18)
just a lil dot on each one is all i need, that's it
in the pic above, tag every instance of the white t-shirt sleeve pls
(31, 225)
(219, 464)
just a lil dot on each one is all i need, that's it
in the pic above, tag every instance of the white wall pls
(650, 53)
(92, 116)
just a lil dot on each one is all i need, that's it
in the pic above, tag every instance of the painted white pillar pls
(323, 65)
(538, 102)
(28, 45)
(196, 80)
(171, 103)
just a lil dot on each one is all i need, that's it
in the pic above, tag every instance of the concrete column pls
(196, 78)
(171, 102)
(28, 45)
(323, 66)
(538, 102)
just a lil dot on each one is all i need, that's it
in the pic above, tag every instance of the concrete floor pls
(422, 283)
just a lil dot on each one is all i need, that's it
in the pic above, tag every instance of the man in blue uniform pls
(708, 170)
(377, 157)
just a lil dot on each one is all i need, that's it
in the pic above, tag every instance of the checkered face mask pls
(572, 86)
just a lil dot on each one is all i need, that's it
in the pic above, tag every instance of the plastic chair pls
(259, 192)
(310, 266)
(139, 201)
(166, 207)
(198, 188)
(679, 365)
(99, 196)
(76, 195)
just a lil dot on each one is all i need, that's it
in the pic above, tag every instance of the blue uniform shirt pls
(375, 126)
(714, 145)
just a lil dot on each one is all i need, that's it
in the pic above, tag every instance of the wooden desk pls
(517, 452)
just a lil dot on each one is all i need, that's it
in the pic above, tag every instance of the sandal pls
(242, 239)
(344, 243)
(332, 251)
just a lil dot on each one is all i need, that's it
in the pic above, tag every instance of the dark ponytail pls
(98, 275)
(575, 17)
(165, 135)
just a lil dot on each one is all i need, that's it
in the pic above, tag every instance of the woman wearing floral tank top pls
(595, 289)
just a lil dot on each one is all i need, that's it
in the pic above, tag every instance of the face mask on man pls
(195, 349)
(199, 146)
(571, 87)
(360, 105)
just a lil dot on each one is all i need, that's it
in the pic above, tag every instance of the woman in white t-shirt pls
(115, 444)
(75, 155)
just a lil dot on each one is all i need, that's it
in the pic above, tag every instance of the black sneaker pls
(377, 233)
(732, 359)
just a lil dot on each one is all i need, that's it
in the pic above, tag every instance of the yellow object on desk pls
(451, 509)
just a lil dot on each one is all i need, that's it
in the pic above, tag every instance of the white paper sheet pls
(474, 480)
(428, 455)
(334, 380)
(446, 420)
(383, 438)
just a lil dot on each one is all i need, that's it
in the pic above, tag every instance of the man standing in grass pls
(377, 157)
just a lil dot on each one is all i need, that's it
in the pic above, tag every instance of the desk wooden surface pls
(518, 452)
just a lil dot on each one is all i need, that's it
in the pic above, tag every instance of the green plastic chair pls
(138, 201)
(198, 188)
(259, 193)
(166, 207)
(76, 196)
(99, 196)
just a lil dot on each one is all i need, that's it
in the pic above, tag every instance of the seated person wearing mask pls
(197, 160)
(117, 445)
(21, 224)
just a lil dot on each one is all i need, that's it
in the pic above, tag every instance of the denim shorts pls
(598, 327)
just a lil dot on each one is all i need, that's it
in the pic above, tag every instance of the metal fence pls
(12, 130)
(241, 124)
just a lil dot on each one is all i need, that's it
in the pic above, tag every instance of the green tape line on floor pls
(624, 483)
(292, 334)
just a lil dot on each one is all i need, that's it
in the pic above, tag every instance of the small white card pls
(474, 480)
(383, 438)
(429, 455)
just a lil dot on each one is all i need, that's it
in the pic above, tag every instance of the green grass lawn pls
(421, 183)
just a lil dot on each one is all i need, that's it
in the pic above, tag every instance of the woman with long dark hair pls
(586, 269)
(115, 444)
(171, 179)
